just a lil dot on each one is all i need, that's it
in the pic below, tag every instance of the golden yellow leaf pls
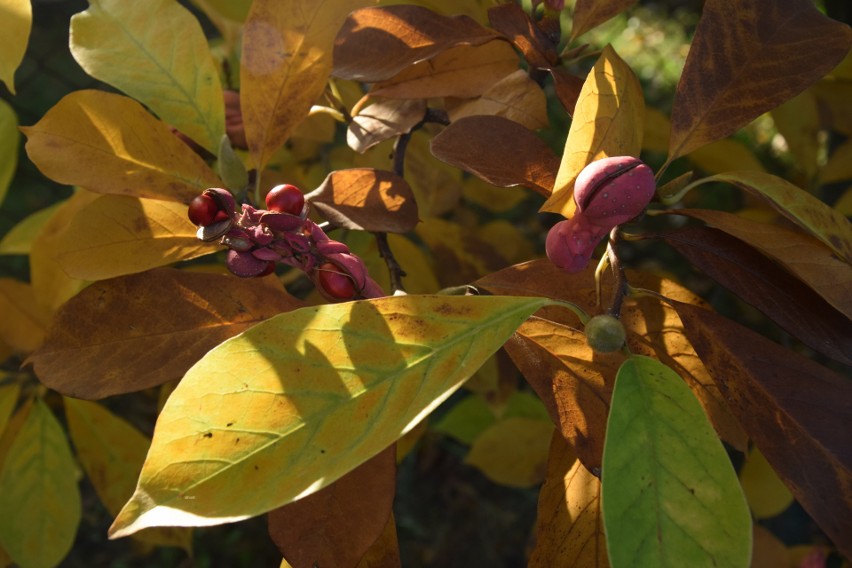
(608, 121)
(39, 481)
(286, 62)
(163, 62)
(724, 156)
(8, 143)
(23, 323)
(16, 19)
(19, 239)
(116, 235)
(512, 451)
(515, 96)
(765, 492)
(111, 452)
(110, 144)
(295, 402)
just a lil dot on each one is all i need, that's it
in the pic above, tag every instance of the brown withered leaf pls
(498, 150)
(384, 553)
(134, 332)
(766, 286)
(366, 199)
(383, 120)
(551, 352)
(515, 25)
(375, 44)
(569, 528)
(589, 14)
(793, 409)
(337, 525)
(801, 254)
(567, 88)
(515, 96)
(747, 58)
(462, 71)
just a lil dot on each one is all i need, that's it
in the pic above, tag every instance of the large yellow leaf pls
(608, 121)
(40, 498)
(294, 403)
(111, 452)
(19, 239)
(286, 61)
(110, 144)
(116, 235)
(8, 145)
(156, 52)
(16, 19)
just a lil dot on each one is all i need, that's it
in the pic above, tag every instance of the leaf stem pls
(619, 290)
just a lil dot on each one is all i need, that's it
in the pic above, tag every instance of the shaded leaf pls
(15, 28)
(499, 151)
(670, 495)
(512, 451)
(162, 62)
(769, 552)
(114, 235)
(436, 185)
(747, 58)
(38, 478)
(20, 238)
(568, 88)
(801, 254)
(384, 553)
(383, 120)
(782, 400)
(766, 494)
(8, 399)
(514, 24)
(366, 199)
(515, 96)
(295, 402)
(375, 44)
(589, 14)
(462, 71)
(569, 528)
(467, 420)
(419, 277)
(798, 121)
(140, 331)
(110, 144)
(286, 61)
(8, 145)
(724, 156)
(768, 287)
(494, 199)
(338, 524)
(607, 121)
(837, 168)
(23, 324)
(111, 452)
(458, 255)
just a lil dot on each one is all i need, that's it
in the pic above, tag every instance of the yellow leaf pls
(515, 96)
(16, 19)
(162, 61)
(8, 398)
(765, 492)
(110, 144)
(458, 254)
(492, 198)
(724, 156)
(505, 237)
(8, 144)
(419, 276)
(116, 235)
(23, 323)
(512, 451)
(236, 10)
(608, 121)
(19, 240)
(798, 122)
(286, 62)
(844, 204)
(39, 484)
(111, 452)
(437, 186)
(294, 403)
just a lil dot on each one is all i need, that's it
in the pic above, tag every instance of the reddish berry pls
(335, 283)
(204, 211)
(285, 198)
(270, 268)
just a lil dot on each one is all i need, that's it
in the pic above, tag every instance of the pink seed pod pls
(614, 190)
(245, 265)
(223, 199)
(571, 243)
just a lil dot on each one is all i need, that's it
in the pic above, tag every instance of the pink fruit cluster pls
(607, 192)
(260, 238)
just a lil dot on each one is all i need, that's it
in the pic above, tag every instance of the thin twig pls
(620, 288)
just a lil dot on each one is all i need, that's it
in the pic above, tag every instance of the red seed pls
(204, 211)
(285, 198)
(334, 282)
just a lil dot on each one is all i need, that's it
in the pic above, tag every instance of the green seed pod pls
(605, 334)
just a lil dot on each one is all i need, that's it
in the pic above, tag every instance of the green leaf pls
(39, 484)
(670, 494)
(156, 52)
(19, 239)
(294, 403)
(8, 398)
(16, 20)
(467, 420)
(8, 146)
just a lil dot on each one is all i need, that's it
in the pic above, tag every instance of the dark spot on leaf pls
(208, 434)
(229, 424)
(256, 468)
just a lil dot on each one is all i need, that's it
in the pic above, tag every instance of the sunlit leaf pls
(515, 24)
(670, 495)
(23, 323)
(747, 58)
(20, 238)
(8, 143)
(338, 524)
(39, 484)
(366, 199)
(375, 44)
(515, 96)
(111, 452)
(110, 144)
(15, 24)
(295, 402)
(589, 14)
(782, 399)
(139, 331)
(607, 121)
(499, 151)
(286, 62)
(383, 120)
(766, 494)
(569, 528)
(161, 61)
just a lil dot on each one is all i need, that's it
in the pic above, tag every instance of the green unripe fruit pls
(605, 334)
